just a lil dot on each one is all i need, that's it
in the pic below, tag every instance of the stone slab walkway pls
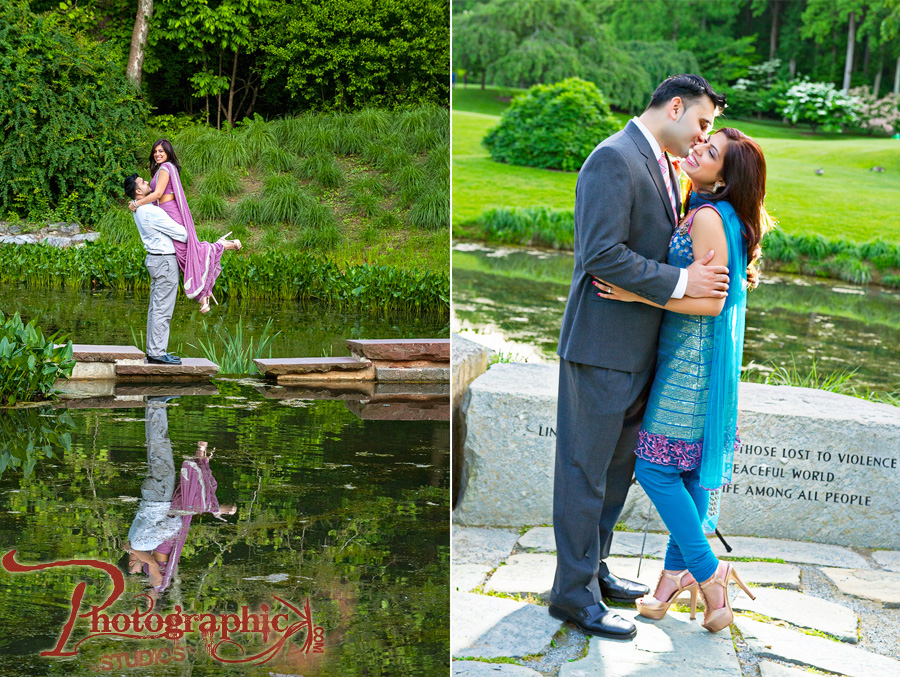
(502, 580)
(673, 647)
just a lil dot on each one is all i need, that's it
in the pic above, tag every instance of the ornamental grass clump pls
(30, 364)
(208, 206)
(552, 126)
(221, 182)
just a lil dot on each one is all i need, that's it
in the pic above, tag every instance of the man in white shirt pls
(157, 230)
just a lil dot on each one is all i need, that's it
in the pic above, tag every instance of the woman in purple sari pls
(198, 261)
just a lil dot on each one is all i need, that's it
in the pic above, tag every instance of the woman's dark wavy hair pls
(744, 173)
(167, 146)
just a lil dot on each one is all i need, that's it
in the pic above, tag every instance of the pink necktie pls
(664, 167)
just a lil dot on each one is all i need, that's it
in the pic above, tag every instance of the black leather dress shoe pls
(595, 620)
(617, 589)
(163, 359)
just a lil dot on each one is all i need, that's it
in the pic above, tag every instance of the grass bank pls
(371, 187)
(848, 201)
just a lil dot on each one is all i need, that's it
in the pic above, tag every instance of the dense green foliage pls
(274, 274)
(29, 363)
(552, 126)
(69, 121)
(627, 48)
(356, 53)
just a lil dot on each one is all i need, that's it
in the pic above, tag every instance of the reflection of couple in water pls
(166, 227)
(159, 530)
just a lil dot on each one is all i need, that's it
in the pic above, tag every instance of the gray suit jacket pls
(623, 224)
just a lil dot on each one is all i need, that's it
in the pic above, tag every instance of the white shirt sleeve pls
(159, 220)
(681, 287)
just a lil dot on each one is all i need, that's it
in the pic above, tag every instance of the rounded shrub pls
(552, 126)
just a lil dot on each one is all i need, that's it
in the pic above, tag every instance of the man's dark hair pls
(690, 88)
(131, 185)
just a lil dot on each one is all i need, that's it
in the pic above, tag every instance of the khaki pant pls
(163, 292)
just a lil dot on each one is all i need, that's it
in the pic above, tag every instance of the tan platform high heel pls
(717, 619)
(205, 307)
(655, 609)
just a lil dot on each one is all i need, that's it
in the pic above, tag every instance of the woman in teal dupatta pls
(689, 431)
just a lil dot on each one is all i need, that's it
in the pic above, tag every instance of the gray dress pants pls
(599, 417)
(163, 292)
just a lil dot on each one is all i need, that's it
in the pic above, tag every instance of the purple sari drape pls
(200, 262)
(195, 494)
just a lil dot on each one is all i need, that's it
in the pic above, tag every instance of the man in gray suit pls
(157, 230)
(626, 201)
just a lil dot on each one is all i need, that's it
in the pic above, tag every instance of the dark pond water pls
(513, 299)
(120, 318)
(350, 514)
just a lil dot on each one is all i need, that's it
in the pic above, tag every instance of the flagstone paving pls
(771, 641)
(820, 588)
(804, 611)
(875, 585)
(672, 647)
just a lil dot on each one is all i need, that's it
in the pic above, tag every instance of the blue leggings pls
(682, 504)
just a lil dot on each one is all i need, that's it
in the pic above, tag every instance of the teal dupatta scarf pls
(720, 432)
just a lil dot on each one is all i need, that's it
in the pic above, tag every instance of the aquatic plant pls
(272, 274)
(227, 348)
(529, 226)
(30, 364)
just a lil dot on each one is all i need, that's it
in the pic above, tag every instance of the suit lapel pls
(653, 167)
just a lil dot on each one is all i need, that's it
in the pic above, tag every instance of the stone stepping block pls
(804, 611)
(420, 374)
(474, 545)
(672, 647)
(411, 390)
(799, 552)
(401, 411)
(482, 669)
(290, 370)
(190, 369)
(878, 586)
(99, 361)
(467, 577)
(482, 626)
(793, 646)
(84, 352)
(888, 559)
(401, 350)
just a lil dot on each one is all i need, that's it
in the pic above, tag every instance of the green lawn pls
(848, 200)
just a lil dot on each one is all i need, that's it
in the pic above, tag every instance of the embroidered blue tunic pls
(672, 430)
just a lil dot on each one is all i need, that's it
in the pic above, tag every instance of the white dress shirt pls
(158, 229)
(681, 287)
